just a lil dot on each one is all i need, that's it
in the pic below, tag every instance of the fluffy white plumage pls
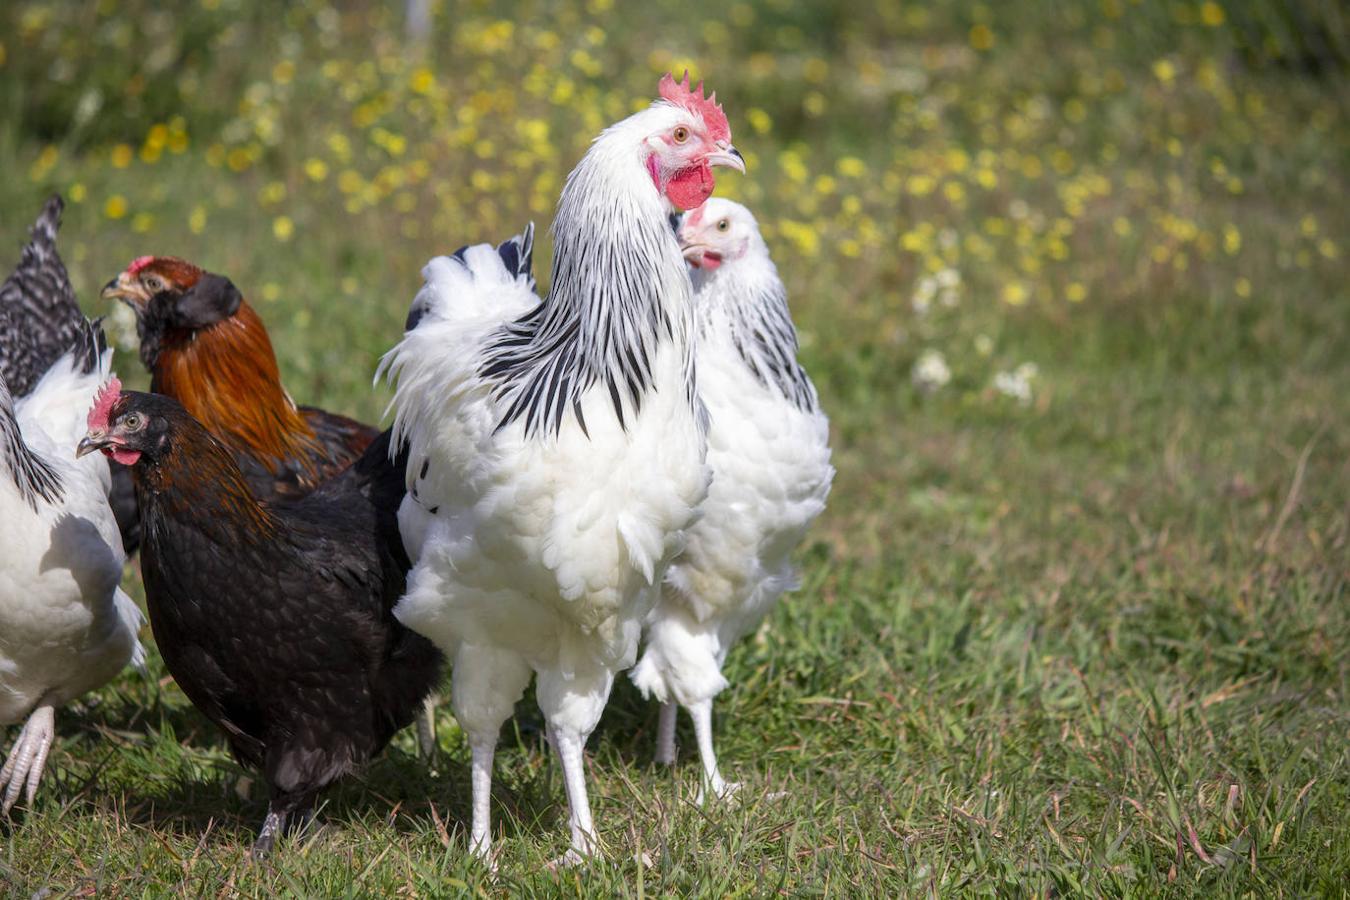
(556, 455)
(65, 625)
(769, 453)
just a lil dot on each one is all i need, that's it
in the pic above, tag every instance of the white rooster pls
(769, 452)
(557, 446)
(65, 625)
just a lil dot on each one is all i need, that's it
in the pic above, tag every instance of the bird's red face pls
(680, 157)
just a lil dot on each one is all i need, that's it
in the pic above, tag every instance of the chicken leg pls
(701, 713)
(483, 749)
(26, 761)
(665, 734)
(426, 728)
(267, 835)
(570, 746)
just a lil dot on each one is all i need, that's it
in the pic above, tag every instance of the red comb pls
(103, 404)
(139, 263)
(679, 93)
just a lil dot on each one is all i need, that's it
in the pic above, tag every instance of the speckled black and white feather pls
(39, 317)
(764, 336)
(604, 316)
(35, 480)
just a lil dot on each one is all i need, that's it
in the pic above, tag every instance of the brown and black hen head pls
(171, 297)
(131, 427)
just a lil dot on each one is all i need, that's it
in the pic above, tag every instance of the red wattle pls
(123, 456)
(690, 187)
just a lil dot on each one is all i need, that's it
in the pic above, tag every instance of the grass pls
(1091, 643)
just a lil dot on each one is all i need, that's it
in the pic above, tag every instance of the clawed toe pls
(27, 760)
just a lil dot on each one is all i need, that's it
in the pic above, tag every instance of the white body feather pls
(769, 452)
(65, 625)
(540, 534)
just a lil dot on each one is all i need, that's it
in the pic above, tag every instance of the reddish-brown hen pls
(206, 347)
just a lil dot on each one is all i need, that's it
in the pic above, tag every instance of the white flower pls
(984, 344)
(930, 371)
(923, 294)
(1017, 383)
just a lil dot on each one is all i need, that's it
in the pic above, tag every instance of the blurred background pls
(1071, 278)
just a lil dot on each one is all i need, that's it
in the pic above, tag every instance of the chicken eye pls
(680, 134)
(133, 422)
(152, 283)
(724, 225)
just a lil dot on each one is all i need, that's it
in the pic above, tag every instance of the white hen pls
(769, 452)
(65, 625)
(557, 447)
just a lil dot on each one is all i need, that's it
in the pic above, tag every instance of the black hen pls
(40, 320)
(274, 617)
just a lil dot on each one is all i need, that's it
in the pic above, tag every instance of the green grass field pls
(1072, 283)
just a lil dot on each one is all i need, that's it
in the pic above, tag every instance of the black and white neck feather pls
(30, 474)
(619, 294)
(748, 298)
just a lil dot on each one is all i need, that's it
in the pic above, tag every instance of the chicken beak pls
(727, 155)
(116, 290)
(94, 440)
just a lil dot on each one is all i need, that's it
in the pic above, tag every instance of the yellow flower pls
(851, 167)
(283, 228)
(43, 164)
(238, 159)
(1076, 292)
(1211, 14)
(197, 219)
(1232, 240)
(271, 291)
(77, 192)
(116, 207)
(422, 81)
(920, 185)
(142, 222)
(1242, 287)
(981, 38)
(1015, 293)
(1308, 226)
(316, 169)
(1164, 71)
(121, 156)
(759, 120)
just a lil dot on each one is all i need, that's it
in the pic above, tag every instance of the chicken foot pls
(23, 769)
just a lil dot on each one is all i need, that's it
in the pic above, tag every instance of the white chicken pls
(557, 446)
(769, 452)
(65, 625)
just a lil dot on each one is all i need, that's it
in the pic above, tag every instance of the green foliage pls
(1078, 626)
